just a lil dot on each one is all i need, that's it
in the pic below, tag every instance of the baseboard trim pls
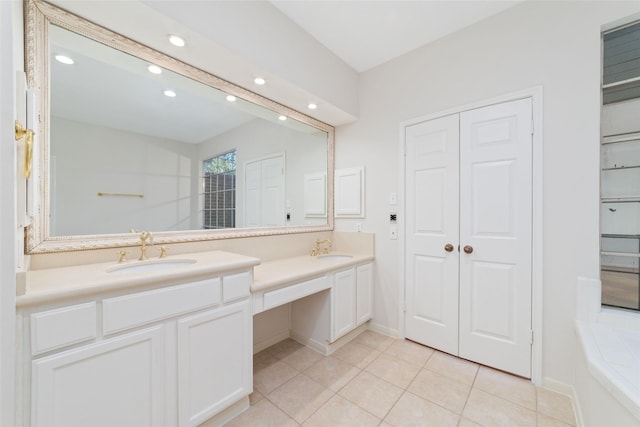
(275, 339)
(384, 330)
(228, 414)
(567, 390)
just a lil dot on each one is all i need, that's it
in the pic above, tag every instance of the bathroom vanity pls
(162, 347)
(330, 295)
(169, 341)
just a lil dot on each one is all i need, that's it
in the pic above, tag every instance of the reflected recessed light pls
(312, 106)
(154, 69)
(231, 98)
(170, 93)
(283, 118)
(259, 81)
(176, 41)
(64, 59)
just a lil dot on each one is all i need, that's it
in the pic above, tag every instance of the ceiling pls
(367, 33)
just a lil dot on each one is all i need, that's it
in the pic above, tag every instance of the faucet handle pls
(163, 251)
(122, 256)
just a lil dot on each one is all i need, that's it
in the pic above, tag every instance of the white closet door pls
(495, 221)
(431, 271)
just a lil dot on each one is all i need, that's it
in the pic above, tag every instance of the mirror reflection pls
(133, 145)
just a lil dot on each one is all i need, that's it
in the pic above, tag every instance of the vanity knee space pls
(321, 319)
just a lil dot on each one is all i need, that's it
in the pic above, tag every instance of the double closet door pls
(468, 240)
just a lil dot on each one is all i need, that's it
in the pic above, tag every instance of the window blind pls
(621, 64)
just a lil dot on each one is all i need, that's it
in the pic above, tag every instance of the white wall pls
(552, 44)
(88, 159)
(304, 153)
(11, 52)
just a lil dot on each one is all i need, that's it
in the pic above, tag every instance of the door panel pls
(469, 183)
(432, 222)
(495, 220)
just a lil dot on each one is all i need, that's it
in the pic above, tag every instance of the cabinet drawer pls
(129, 311)
(294, 292)
(236, 286)
(62, 327)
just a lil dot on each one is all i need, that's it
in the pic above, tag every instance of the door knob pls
(467, 249)
(448, 247)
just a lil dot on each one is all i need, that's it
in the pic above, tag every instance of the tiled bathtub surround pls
(379, 381)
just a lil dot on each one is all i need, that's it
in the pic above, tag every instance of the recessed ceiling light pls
(312, 106)
(176, 41)
(64, 59)
(170, 93)
(231, 98)
(154, 69)
(283, 118)
(259, 81)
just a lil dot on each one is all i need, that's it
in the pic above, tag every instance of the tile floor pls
(380, 381)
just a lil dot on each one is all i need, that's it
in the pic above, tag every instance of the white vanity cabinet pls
(351, 299)
(175, 355)
(115, 382)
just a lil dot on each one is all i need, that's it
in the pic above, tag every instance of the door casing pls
(535, 94)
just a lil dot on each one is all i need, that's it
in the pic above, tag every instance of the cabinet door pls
(117, 382)
(364, 298)
(343, 304)
(214, 361)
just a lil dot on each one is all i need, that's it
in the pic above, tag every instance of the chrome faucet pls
(318, 250)
(144, 237)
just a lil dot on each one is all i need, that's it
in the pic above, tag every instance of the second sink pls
(150, 266)
(334, 257)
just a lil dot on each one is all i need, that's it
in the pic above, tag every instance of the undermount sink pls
(150, 266)
(331, 257)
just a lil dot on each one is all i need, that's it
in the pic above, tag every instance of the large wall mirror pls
(130, 138)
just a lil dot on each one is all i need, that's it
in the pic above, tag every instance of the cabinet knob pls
(467, 249)
(448, 247)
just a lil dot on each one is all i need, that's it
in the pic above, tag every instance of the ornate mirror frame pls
(38, 16)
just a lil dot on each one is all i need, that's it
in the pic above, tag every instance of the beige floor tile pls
(372, 393)
(546, 421)
(465, 422)
(300, 397)
(338, 412)
(332, 373)
(489, 410)
(255, 397)
(509, 387)
(393, 370)
(268, 379)
(357, 354)
(374, 340)
(262, 360)
(439, 389)
(412, 410)
(410, 352)
(453, 367)
(262, 414)
(302, 358)
(284, 348)
(556, 406)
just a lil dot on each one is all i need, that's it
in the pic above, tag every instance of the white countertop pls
(52, 284)
(275, 274)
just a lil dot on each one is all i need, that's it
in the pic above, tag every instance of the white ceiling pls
(363, 33)
(367, 33)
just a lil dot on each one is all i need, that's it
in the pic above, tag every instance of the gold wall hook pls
(27, 134)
